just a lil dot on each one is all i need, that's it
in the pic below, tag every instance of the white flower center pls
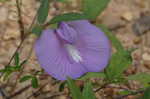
(73, 52)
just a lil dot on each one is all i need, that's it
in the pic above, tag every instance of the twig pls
(21, 25)
(15, 52)
(55, 95)
(22, 31)
(33, 21)
(36, 93)
(21, 71)
(103, 86)
(20, 91)
(25, 36)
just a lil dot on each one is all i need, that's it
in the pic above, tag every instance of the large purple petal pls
(93, 44)
(52, 56)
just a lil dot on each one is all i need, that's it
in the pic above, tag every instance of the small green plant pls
(8, 70)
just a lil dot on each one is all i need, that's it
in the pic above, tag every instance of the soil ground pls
(119, 16)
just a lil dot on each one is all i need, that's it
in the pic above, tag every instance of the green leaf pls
(143, 78)
(115, 42)
(4, 1)
(88, 91)
(37, 30)
(92, 74)
(63, 1)
(92, 8)
(7, 68)
(75, 91)
(67, 17)
(120, 61)
(34, 82)
(16, 59)
(3, 70)
(43, 11)
(125, 92)
(11, 68)
(54, 26)
(25, 78)
(146, 94)
(7, 74)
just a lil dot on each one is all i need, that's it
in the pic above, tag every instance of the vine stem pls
(21, 25)
(15, 52)
(20, 91)
(37, 92)
(22, 31)
(20, 73)
(103, 86)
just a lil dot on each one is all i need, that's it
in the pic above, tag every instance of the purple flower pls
(75, 48)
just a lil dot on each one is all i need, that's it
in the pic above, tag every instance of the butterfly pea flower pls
(73, 49)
